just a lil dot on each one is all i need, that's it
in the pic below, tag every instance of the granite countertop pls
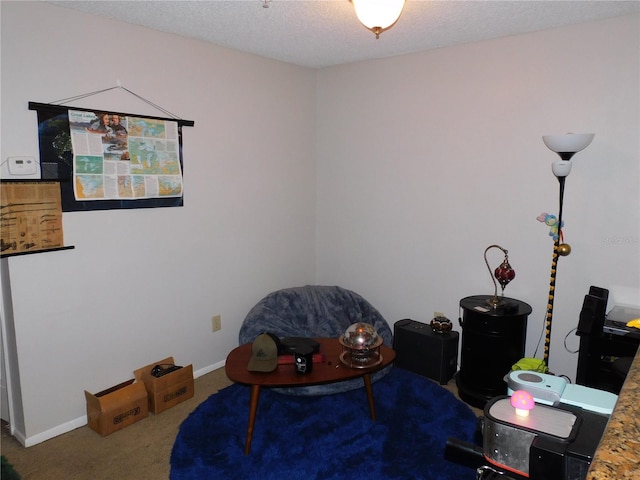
(618, 455)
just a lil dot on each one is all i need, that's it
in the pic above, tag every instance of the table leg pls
(369, 388)
(253, 408)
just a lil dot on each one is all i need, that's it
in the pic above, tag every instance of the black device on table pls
(505, 448)
(605, 344)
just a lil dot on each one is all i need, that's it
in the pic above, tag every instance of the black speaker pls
(420, 350)
(592, 315)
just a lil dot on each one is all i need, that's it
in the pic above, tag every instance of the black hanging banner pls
(110, 160)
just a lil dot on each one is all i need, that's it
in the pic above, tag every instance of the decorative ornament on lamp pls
(566, 146)
(504, 274)
(378, 15)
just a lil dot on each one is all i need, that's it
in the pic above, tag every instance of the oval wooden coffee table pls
(330, 370)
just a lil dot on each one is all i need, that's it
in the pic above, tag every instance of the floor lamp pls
(566, 146)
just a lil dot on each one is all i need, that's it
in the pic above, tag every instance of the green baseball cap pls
(264, 354)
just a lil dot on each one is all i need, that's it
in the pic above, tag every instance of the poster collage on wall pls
(106, 160)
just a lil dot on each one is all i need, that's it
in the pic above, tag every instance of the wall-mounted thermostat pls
(22, 166)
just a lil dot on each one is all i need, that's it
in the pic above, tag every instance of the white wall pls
(425, 160)
(143, 284)
(422, 162)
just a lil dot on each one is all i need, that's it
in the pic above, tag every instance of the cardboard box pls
(168, 390)
(117, 407)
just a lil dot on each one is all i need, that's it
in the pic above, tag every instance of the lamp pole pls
(566, 146)
(552, 277)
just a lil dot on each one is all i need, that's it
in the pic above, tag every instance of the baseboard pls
(53, 432)
(209, 369)
(82, 421)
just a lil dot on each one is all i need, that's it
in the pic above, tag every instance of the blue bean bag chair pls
(314, 311)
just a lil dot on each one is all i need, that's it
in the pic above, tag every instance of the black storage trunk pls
(493, 339)
(420, 350)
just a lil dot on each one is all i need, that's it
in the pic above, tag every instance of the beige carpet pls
(140, 451)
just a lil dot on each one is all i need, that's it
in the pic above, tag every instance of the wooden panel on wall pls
(31, 217)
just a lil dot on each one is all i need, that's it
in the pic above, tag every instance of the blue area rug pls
(327, 437)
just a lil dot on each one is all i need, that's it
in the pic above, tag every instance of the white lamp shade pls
(568, 143)
(378, 13)
(561, 168)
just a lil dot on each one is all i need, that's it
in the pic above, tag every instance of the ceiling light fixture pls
(378, 15)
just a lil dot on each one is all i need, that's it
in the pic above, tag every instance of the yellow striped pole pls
(558, 250)
(552, 288)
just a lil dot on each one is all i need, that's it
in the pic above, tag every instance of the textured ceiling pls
(321, 33)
